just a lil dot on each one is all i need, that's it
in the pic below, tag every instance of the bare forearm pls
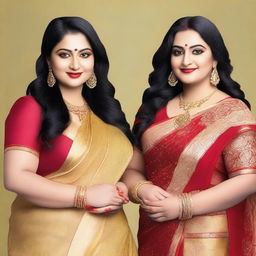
(132, 177)
(224, 195)
(41, 191)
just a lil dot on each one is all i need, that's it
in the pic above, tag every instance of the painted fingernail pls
(93, 211)
(88, 207)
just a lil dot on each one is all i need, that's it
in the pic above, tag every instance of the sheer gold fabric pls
(99, 154)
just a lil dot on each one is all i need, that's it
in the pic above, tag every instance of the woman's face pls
(191, 58)
(72, 60)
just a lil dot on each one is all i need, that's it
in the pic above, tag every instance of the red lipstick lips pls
(74, 75)
(187, 70)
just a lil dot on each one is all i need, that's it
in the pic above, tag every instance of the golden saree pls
(99, 154)
(218, 143)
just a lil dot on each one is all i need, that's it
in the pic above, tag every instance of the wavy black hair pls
(100, 99)
(160, 92)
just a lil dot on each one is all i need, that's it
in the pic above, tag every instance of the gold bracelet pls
(185, 211)
(80, 197)
(134, 191)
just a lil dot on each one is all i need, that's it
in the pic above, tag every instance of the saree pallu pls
(99, 154)
(185, 159)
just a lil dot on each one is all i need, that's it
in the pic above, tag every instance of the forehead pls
(189, 38)
(74, 40)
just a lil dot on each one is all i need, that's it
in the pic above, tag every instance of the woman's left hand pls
(110, 209)
(162, 210)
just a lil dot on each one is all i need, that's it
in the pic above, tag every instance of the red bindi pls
(75, 49)
(186, 45)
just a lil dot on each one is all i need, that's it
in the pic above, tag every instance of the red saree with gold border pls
(99, 154)
(218, 143)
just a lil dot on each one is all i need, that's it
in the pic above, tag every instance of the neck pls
(73, 95)
(196, 92)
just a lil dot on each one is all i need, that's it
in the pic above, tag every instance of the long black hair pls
(160, 92)
(100, 99)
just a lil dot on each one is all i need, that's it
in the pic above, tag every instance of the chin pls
(71, 85)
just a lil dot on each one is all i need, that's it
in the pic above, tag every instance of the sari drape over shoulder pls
(218, 143)
(99, 154)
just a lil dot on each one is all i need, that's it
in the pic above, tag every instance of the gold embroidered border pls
(152, 135)
(206, 246)
(197, 148)
(201, 143)
(32, 151)
(157, 132)
(241, 172)
(176, 239)
(81, 145)
(206, 235)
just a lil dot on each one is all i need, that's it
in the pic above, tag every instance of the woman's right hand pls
(151, 192)
(102, 195)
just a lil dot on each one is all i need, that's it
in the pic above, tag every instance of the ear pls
(215, 63)
(48, 62)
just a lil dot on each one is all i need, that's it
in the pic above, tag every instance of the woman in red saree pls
(61, 151)
(197, 137)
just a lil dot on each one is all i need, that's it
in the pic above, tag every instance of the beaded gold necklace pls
(80, 111)
(184, 118)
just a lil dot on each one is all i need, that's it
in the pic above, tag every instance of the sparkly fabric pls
(192, 158)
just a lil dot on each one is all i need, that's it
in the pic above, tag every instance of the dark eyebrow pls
(176, 46)
(68, 50)
(193, 46)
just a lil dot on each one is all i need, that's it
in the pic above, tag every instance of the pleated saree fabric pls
(217, 144)
(99, 154)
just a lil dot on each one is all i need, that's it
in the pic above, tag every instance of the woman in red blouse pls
(67, 144)
(197, 138)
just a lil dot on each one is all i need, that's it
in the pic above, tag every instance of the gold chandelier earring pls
(50, 78)
(172, 79)
(214, 79)
(92, 81)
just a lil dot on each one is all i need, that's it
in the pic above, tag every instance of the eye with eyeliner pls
(197, 51)
(85, 54)
(177, 52)
(64, 55)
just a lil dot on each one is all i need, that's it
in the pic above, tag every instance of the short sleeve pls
(23, 125)
(240, 155)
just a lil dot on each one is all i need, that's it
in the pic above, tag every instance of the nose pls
(74, 64)
(186, 59)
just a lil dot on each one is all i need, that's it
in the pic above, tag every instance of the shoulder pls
(25, 109)
(236, 109)
(234, 104)
(26, 104)
(23, 124)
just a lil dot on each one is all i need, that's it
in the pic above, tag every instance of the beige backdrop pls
(131, 32)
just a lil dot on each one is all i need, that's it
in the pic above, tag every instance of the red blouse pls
(22, 130)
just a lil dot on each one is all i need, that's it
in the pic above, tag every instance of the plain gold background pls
(131, 32)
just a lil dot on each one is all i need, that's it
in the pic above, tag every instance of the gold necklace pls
(80, 111)
(183, 119)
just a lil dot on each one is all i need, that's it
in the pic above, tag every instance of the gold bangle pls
(80, 197)
(185, 211)
(134, 191)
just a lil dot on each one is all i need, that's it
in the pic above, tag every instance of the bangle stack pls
(186, 211)
(134, 191)
(80, 197)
